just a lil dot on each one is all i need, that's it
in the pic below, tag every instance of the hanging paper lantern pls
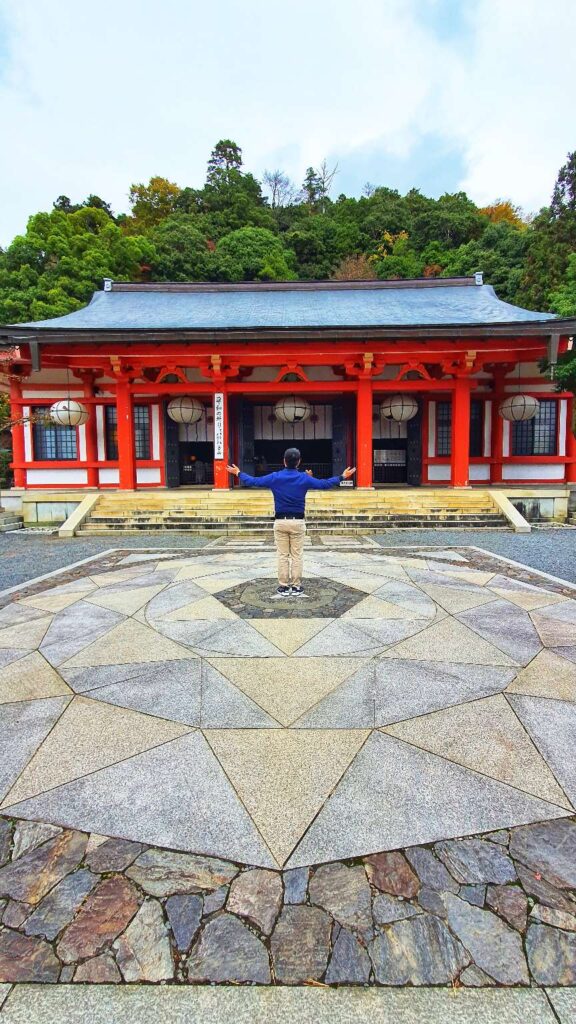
(185, 409)
(68, 413)
(519, 407)
(399, 408)
(292, 409)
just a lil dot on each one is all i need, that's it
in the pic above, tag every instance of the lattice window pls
(537, 436)
(444, 428)
(141, 415)
(51, 442)
(477, 407)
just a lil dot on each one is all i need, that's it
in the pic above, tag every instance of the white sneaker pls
(282, 592)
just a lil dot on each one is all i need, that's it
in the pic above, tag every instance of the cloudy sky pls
(437, 94)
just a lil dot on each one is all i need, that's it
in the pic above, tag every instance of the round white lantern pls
(69, 413)
(519, 407)
(292, 409)
(399, 407)
(185, 409)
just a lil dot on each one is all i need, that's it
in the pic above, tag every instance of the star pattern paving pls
(405, 700)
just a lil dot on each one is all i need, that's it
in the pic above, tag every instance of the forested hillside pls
(236, 228)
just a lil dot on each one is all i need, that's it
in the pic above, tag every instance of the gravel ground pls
(23, 557)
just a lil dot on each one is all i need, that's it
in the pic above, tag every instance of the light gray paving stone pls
(381, 804)
(174, 1004)
(10, 654)
(410, 598)
(495, 947)
(23, 727)
(565, 611)
(143, 581)
(14, 614)
(175, 796)
(173, 597)
(340, 637)
(167, 690)
(552, 726)
(4, 990)
(505, 626)
(75, 628)
(81, 680)
(191, 634)
(564, 1002)
(239, 639)
(387, 632)
(429, 577)
(565, 652)
(393, 690)
(224, 706)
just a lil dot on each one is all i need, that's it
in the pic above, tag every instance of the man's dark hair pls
(292, 457)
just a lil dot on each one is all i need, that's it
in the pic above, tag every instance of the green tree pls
(224, 164)
(552, 241)
(54, 268)
(563, 299)
(182, 251)
(499, 253)
(252, 254)
(395, 258)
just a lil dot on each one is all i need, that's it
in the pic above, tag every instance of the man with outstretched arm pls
(289, 487)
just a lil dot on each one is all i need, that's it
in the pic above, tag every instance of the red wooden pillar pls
(126, 442)
(364, 455)
(221, 455)
(18, 451)
(497, 429)
(460, 433)
(570, 443)
(92, 478)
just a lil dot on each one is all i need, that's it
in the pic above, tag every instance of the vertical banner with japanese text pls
(218, 425)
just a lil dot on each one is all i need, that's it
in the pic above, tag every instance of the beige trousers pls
(289, 539)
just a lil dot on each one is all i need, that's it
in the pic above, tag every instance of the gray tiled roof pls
(256, 307)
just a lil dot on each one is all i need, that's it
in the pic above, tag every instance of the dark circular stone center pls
(325, 599)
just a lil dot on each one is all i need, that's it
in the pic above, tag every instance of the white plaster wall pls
(439, 472)
(478, 472)
(431, 429)
(72, 477)
(82, 443)
(100, 433)
(524, 471)
(27, 435)
(506, 438)
(487, 428)
(39, 393)
(155, 422)
(108, 476)
(148, 476)
(562, 419)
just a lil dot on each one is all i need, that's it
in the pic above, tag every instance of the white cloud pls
(94, 97)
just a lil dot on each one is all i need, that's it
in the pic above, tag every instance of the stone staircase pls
(10, 521)
(249, 513)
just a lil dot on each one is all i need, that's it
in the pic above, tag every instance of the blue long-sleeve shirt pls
(289, 487)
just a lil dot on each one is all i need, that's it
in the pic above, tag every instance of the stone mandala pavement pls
(407, 700)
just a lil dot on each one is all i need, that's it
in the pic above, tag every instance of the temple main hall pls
(418, 383)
